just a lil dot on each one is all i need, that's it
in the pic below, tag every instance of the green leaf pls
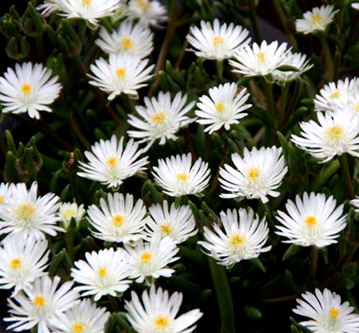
(251, 312)
(291, 251)
(287, 68)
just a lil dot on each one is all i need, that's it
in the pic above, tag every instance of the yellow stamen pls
(218, 40)
(144, 4)
(333, 312)
(101, 272)
(25, 211)
(121, 72)
(86, 2)
(311, 220)
(261, 57)
(162, 322)
(181, 176)
(112, 161)
(335, 94)
(317, 19)
(356, 109)
(166, 229)
(78, 328)
(219, 106)
(15, 263)
(2, 199)
(335, 132)
(253, 174)
(39, 301)
(26, 88)
(158, 118)
(117, 220)
(127, 44)
(146, 257)
(236, 241)
(68, 214)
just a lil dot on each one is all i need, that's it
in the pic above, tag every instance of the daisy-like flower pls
(25, 214)
(89, 10)
(256, 176)
(355, 5)
(21, 263)
(104, 273)
(259, 59)
(122, 73)
(316, 20)
(243, 238)
(147, 12)
(5, 193)
(157, 313)
(223, 107)
(161, 118)
(177, 223)
(110, 163)
(355, 203)
(38, 304)
(313, 220)
(118, 220)
(147, 260)
(335, 134)
(326, 313)
(177, 177)
(134, 39)
(85, 317)
(69, 210)
(217, 42)
(30, 88)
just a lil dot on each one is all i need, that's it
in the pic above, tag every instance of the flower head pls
(223, 107)
(313, 220)
(157, 313)
(177, 177)
(258, 174)
(355, 203)
(122, 73)
(147, 12)
(217, 42)
(243, 238)
(326, 313)
(316, 20)
(5, 193)
(30, 88)
(69, 210)
(161, 118)
(110, 163)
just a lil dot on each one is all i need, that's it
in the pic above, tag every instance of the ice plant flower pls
(121, 73)
(111, 163)
(355, 203)
(5, 193)
(334, 134)
(259, 60)
(85, 317)
(30, 88)
(243, 238)
(22, 262)
(118, 219)
(149, 13)
(134, 39)
(217, 42)
(160, 118)
(355, 5)
(223, 107)
(69, 210)
(177, 223)
(89, 10)
(157, 312)
(25, 214)
(40, 303)
(150, 260)
(177, 177)
(327, 313)
(316, 20)
(257, 175)
(103, 273)
(311, 221)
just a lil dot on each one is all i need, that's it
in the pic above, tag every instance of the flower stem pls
(346, 175)
(279, 299)
(269, 97)
(219, 67)
(313, 261)
(283, 103)
(328, 58)
(114, 303)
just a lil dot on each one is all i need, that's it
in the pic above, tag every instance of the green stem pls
(69, 237)
(269, 97)
(313, 261)
(346, 175)
(114, 304)
(219, 67)
(328, 58)
(294, 99)
(279, 299)
(254, 23)
(283, 104)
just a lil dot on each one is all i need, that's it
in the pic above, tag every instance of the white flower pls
(38, 304)
(223, 107)
(177, 177)
(5, 193)
(25, 214)
(85, 317)
(335, 134)
(28, 89)
(355, 203)
(134, 39)
(177, 223)
(313, 220)
(147, 12)
(316, 20)
(122, 73)
(110, 163)
(218, 42)
(89, 10)
(256, 176)
(243, 238)
(326, 313)
(161, 118)
(355, 5)
(22, 262)
(157, 313)
(69, 210)
(118, 220)
(104, 273)
(151, 259)
(259, 59)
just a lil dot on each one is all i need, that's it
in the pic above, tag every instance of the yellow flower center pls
(146, 257)
(117, 220)
(127, 44)
(158, 118)
(218, 40)
(356, 109)
(15, 263)
(144, 4)
(311, 220)
(78, 328)
(335, 132)
(112, 161)
(121, 72)
(86, 2)
(317, 19)
(236, 241)
(25, 211)
(2, 199)
(333, 312)
(182, 176)
(335, 94)
(39, 301)
(253, 174)
(261, 57)
(219, 106)
(68, 214)
(166, 229)
(26, 88)
(162, 322)
(101, 272)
